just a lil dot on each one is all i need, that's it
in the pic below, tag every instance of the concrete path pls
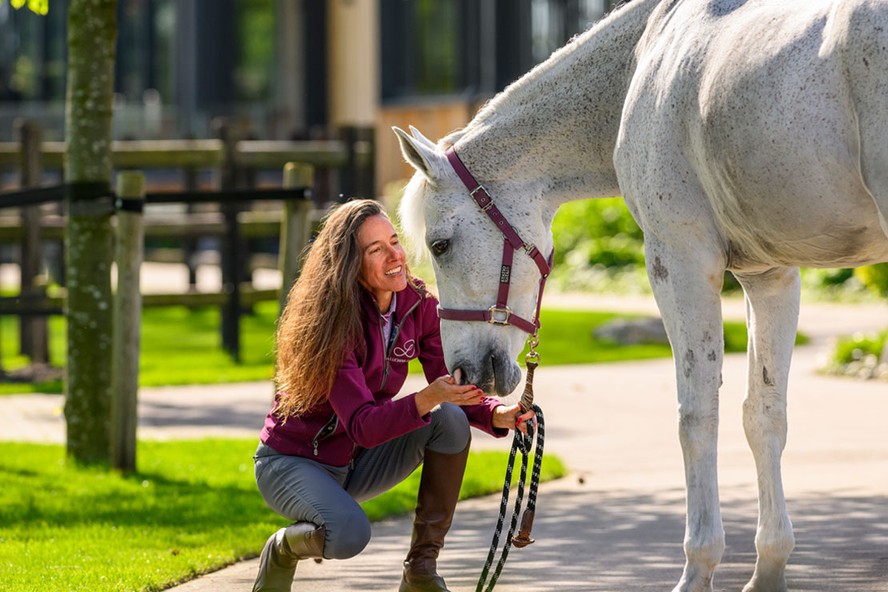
(617, 522)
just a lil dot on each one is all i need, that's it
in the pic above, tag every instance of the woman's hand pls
(446, 390)
(510, 418)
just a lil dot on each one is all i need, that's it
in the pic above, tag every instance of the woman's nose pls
(395, 253)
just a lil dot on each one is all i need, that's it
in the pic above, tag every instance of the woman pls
(336, 435)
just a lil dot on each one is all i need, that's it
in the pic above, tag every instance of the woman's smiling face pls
(383, 270)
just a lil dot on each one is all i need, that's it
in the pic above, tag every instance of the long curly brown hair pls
(322, 318)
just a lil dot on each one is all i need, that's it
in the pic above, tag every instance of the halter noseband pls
(499, 313)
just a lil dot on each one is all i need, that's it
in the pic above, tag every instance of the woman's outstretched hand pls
(510, 417)
(447, 390)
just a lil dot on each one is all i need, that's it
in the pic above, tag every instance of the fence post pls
(34, 338)
(190, 244)
(127, 320)
(230, 248)
(296, 224)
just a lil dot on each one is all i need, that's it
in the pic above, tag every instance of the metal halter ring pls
(533, 355)
(494, 310)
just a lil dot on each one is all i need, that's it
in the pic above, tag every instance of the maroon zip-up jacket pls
(360, 411)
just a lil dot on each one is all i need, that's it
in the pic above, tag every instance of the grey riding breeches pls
(303, 490)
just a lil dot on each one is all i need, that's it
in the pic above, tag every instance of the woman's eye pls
(439, 247)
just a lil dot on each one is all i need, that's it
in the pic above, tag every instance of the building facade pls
(292, 69)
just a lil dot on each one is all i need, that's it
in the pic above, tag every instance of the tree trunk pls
(92, 32)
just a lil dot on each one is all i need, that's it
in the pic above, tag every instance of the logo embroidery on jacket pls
(407, 351)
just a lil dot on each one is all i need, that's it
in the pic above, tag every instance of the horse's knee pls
(764, 418)
(697, 430)
(349, 539)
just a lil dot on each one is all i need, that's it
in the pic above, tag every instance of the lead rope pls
(524, 443)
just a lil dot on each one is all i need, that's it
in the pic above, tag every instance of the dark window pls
(255, 60)
(32, 54)
(447, 47)
(422, 44)
(554, 22)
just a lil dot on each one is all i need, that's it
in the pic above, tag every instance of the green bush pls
(599, 246)
(602, 230)
(874, 277)
(858, 347)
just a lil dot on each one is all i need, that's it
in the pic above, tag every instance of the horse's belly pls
(800, 208)
(805, 237)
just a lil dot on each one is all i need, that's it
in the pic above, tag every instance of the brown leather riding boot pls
(442, 475)
(283, 550)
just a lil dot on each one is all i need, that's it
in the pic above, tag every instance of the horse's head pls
(466, 249)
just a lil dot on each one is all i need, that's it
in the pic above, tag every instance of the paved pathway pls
(617, 522)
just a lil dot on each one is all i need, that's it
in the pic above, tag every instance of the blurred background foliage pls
(598, 246)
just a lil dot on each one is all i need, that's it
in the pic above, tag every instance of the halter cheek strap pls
(499, 313)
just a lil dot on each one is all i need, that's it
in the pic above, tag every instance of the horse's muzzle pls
(494, 373)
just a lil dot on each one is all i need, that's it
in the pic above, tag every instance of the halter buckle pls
(489, 203)
(506, 312)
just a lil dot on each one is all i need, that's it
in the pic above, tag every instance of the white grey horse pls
(745, 135)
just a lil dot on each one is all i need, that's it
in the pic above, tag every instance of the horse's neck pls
(558, 124)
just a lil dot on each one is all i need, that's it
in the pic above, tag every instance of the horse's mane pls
(410, 214)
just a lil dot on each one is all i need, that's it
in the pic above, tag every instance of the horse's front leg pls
(772, 311)
(687, 284)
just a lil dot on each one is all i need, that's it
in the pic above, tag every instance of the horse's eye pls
(439, 247)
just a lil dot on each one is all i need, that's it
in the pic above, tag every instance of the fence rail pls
(262, 154)
(291, 225)
(235, 162)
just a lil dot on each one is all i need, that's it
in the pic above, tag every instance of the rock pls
(634, 331)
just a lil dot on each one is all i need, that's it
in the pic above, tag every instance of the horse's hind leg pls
(772, 310)
(687, 280)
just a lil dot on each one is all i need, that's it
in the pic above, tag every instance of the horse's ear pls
(418, 135)
(421, 154)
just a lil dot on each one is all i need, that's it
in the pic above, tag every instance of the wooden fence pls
(292, 225)
(235, 162)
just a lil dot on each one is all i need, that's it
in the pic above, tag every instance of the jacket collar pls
(406, 299)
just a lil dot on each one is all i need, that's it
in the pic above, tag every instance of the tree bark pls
(92, 32)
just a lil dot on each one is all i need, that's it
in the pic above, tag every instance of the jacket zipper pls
(396, 330)
(331, 424)
(325, 431)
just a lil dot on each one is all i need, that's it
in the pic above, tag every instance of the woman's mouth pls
(394, 271)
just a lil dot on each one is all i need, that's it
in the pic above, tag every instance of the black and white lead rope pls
(524, 444)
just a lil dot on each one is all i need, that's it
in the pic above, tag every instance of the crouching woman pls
(336, 435)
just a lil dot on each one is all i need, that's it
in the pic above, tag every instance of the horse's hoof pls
(757, 584)
(694, 585)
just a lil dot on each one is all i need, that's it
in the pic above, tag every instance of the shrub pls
(858, 347)
(874, 277)
(602, 230)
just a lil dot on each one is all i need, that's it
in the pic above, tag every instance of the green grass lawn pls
(181, 346)
(191, 507)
